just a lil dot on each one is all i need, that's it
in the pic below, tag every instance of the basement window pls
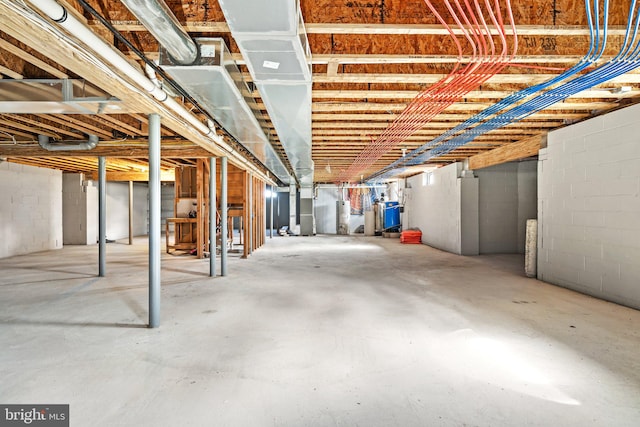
(427, 178)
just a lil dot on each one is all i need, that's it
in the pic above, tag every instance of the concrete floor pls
(314, 331)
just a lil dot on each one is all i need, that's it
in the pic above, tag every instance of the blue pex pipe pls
(596, 49)
(627, 59)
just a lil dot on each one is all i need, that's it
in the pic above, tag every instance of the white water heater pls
(343, 215)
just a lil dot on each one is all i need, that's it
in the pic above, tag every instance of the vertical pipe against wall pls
(102, 216)
(212, 217)
(154, 220)
(223, 216)
(131, 212)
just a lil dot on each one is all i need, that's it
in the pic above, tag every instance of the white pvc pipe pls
(59, 14)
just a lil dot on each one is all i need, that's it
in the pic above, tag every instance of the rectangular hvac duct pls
(291, 116)
(55, 96)
(274, 45)
(216, 83)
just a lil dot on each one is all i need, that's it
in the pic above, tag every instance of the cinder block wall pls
(589, 207)
(79, 210)
(30, 209)
(118, 209)
(527, 198)
(445, 209)
(507, 198)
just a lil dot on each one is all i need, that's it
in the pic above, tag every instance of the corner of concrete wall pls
(30, 209)
(74, 209)
(589, 207)
(527, 198)
(435, 208)
(469, 222)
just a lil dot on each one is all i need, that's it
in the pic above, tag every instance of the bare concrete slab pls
(314, 331)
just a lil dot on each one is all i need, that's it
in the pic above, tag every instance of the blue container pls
(391, 215)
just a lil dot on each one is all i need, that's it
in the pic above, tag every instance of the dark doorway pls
(280, 210)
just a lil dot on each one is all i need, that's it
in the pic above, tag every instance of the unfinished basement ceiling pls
(370, 60)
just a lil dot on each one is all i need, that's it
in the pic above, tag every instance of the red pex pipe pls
(484, 64)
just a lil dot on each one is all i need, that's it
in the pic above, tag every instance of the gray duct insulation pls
(43, 140)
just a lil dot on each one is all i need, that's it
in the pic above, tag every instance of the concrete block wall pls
(527, 198)
(589, 207)
(79, 210)
(30, 209)
(118, 209)
(445, 209)
(507, 198)
(498, 208)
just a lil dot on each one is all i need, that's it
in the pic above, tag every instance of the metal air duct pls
(156, 16)
(215, 81)
(273, 42)
(43, 140)
(55, 96)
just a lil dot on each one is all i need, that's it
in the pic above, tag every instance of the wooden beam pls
(111, 151)
(514, 151)
(351, 28)
(8, 72)
(439, 30)
(165, 175)
(475, 94)
(32, 59)
(340, 117)
(456, 106)
(196, 27)
(528, 79)
(427, 59)
(443, 125)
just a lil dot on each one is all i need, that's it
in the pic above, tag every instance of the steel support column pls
(212, 217)
(102, 216)
(131, 212)
(249, 240)
(223, 216)
(154, 220)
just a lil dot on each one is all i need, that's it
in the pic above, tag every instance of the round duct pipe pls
(43, 141)
(156, 16)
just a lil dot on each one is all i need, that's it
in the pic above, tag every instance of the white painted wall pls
(118, 209)
(326, 211)
(445, 210)
(589, 207)
(507, 198)
(30, 209)
(79, 207)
